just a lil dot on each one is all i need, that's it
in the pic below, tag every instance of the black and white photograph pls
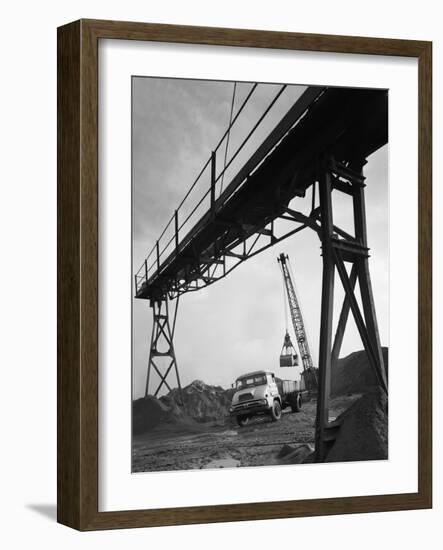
(225, 215)
(260, 262)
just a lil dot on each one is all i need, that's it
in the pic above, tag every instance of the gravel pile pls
(148, 413)
(353, 374)
(203, 402)
(363, 433)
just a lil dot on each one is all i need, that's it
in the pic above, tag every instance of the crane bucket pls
(288, 354)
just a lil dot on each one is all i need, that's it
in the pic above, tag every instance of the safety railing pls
(208, 185)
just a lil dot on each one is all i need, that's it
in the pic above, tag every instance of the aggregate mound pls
(353, 374)
(202, 402)
(363, 433)
(148, 413)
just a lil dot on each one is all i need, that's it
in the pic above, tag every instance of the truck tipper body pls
(261, 393)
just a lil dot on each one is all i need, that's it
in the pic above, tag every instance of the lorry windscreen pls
(257, 380)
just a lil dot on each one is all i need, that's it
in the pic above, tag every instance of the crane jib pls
(296, 316)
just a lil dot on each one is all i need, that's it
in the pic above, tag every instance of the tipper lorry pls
(261, 393)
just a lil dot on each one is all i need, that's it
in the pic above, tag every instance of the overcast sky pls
(237, 324)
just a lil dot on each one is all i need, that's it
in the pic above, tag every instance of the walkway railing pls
(208, 185)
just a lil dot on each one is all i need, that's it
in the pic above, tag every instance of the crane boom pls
(297, 317)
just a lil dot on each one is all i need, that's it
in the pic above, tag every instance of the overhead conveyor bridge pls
(321, 143)
(346, 124)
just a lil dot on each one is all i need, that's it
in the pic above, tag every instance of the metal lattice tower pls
(162, 335)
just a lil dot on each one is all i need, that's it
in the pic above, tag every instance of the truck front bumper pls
(250, 408)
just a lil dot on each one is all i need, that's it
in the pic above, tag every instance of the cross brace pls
(339, 247)
(162, 348)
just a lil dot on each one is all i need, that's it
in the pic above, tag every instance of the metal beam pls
(364, 280)
(343, 319)
(327, 305)
(359, 319)
(213, 181)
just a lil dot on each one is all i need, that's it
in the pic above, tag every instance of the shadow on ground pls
(49, 511)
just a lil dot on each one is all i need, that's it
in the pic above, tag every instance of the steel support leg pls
(339, 247)
(364, 281)
(162, 349)
(327, 303)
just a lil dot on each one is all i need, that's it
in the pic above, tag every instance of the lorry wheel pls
(276, 411)
(296, 405)
(242, 420)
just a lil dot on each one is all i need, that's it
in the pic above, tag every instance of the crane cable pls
(227, 138)
(285, 297)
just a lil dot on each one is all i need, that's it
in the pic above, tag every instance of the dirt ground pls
(209, 445)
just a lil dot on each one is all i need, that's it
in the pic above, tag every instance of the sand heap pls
(363, 433)
(149, 413)
(202, 402)
(353, 374)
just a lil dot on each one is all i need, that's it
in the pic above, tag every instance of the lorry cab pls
(249, 384)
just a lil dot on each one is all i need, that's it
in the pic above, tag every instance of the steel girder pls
(338, 248)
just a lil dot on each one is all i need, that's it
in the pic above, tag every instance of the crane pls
(288, 358)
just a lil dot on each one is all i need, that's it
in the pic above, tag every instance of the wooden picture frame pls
(77, 480)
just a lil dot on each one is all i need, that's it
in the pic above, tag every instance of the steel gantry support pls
(339, 248)
(162, 357)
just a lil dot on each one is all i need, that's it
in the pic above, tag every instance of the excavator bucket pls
(288, 360)
(288, 355)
